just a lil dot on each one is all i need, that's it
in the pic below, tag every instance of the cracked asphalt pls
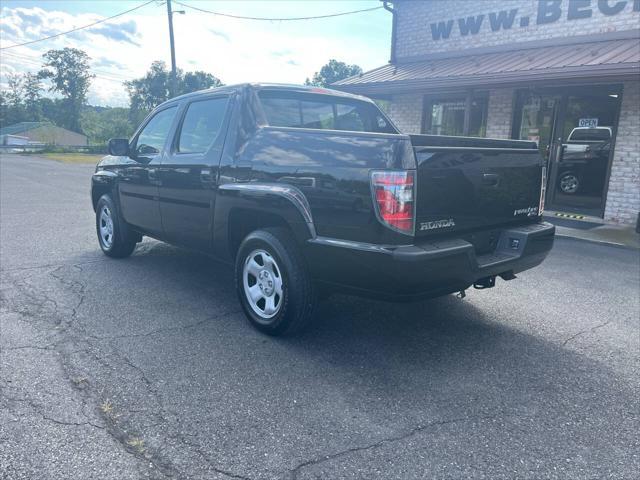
(146, 368)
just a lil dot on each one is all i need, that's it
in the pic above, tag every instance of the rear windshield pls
(591, 134)
(301, 110)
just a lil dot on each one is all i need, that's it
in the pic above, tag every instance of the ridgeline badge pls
(437, 224)
(529, 211)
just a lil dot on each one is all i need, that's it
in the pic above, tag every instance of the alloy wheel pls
(263, 284)
(106, 227)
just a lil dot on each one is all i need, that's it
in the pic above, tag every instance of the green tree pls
(4, 110)
(52, 110)
(198, 80)
(101, 124)
(12, 105)
(32, 97)
(149, 91)
(332, 72)
(15, 93)
(68, 70)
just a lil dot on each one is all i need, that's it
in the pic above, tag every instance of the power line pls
(287, 19)
(36, 61)
(33, 61)
(77, 28)
(100, 76)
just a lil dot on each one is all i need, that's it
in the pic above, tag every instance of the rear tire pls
(115, 241)
(273, 284)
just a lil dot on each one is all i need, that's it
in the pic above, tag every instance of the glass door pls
(538, 112)
(581, 153)
(575, 129)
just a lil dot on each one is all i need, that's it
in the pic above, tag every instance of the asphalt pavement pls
(146, 367)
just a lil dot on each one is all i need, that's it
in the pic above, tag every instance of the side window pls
(154, 134)
(201, 125)
(282, 112)
(317, 115)
(349, 118)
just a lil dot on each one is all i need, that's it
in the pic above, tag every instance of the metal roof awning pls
(614, 58)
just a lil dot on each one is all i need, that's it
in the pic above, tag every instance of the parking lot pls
(146, 367)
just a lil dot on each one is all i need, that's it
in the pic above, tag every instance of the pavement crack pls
(77, 285)
(293, 473)
(170, 329)
(48, 347)
(37, 408)
(208, 461)
(71, 424)
(48, 265)
(582, 332)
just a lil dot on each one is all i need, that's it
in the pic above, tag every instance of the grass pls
(79, 382)
(136, 443)
(107, 407)
(73, 157)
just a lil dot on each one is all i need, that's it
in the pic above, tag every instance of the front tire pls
(273, 284)
(114, 241)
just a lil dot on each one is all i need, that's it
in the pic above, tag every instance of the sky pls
(233, 50)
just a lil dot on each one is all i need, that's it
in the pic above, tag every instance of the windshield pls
(325, 112)
(590, 134)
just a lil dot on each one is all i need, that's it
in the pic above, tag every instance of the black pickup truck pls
(308, 191)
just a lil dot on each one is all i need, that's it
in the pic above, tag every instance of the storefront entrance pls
(575, 129)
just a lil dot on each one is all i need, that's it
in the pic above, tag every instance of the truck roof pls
(269, 86)
(591, 128)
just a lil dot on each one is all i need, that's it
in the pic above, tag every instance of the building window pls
(456, 115)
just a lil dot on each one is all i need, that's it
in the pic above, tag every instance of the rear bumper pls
(424, 270)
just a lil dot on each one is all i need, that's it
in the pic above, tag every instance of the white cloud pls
(234, 51)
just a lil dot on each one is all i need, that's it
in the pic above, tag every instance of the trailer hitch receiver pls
(486, 282)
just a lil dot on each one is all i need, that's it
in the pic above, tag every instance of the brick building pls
(525, 69)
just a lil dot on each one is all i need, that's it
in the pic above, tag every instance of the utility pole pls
(174, 77)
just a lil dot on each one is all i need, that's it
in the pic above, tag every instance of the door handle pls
(206, 175)
(490, 179)
(152, 174)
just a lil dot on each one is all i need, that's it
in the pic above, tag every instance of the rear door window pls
(325, 112)
(348, 118)
(282, 112)
(317, 115)
(201, 125)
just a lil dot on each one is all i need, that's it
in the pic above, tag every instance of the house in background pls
(8, 139)
(41, 133)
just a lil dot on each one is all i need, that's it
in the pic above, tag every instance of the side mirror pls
(118, 147)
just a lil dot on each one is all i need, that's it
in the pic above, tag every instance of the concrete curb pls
(605, 235)
(596, 241)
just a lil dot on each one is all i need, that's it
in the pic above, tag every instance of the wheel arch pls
(102, 182)
(243, 208)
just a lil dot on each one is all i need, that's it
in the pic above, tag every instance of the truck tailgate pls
(466, 184)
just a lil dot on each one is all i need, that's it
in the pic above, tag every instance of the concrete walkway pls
(620, 235)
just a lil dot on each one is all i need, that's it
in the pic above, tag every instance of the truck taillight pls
(394, 196)
(543, 190)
